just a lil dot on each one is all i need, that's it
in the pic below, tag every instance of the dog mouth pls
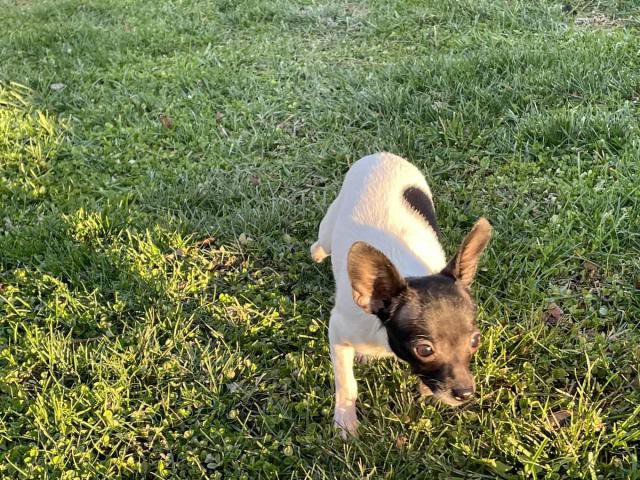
(440, 393)
(448, 399)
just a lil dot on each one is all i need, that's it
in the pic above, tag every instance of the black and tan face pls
(430, 321)
(433, 329)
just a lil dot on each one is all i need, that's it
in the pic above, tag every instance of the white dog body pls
(371, 208)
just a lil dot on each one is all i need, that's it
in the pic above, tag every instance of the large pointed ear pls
(374, 279)
(464, 264)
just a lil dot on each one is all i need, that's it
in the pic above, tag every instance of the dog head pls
(430, 320)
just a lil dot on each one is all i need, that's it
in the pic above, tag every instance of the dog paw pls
(347, 421)
(318, 253)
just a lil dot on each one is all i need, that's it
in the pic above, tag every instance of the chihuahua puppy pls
(395, 292)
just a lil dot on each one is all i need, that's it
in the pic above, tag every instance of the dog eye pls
(475, 340)
(424, 350)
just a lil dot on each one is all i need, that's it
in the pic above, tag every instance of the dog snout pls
(462, 393)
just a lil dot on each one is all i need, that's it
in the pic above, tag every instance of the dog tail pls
(321, 249)
(318, 253)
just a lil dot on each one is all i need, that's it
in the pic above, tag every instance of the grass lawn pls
(164, 166)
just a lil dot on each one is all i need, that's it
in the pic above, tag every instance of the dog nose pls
(462, 393)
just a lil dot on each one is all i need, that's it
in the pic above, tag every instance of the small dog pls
(395, 292)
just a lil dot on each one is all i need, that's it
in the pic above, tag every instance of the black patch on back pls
(421, 203)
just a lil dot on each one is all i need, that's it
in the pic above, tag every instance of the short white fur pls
(370, 207)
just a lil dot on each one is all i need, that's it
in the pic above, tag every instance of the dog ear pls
(374, 279)
(464, 264)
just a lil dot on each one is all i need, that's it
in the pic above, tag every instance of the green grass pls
(128, 347)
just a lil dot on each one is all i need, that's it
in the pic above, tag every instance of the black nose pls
(462, 393)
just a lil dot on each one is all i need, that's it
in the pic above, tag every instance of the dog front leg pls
(345, 416)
